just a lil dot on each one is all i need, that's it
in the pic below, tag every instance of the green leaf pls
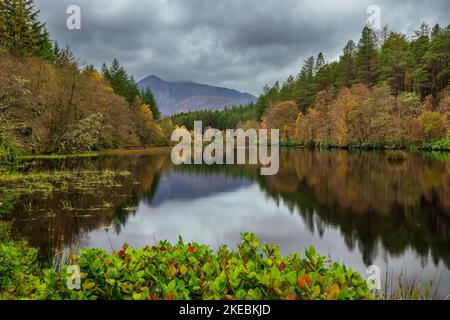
(315, 293)
(183, 269)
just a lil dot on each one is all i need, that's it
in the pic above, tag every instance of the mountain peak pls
(151, 77)
(182, 96)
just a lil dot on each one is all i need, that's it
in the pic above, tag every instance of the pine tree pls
(347, 65)
(436, 30)
(367, 57)
(21, 31)
(122, 84)
(262, 103)
(320, 62)
(148, 98)
(394, 67)
(385, 32)
(287, 89)
(436, 62)
(305, 84)
(418, 48)
(424, 31)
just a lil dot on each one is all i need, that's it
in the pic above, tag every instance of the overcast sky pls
(242, 44)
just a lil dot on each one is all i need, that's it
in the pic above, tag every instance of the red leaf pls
(291, 296)
(304, 279)
(169, 296)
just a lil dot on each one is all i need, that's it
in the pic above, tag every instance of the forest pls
(50, 102)
(63, 204)
(386, 91)
(219, 119)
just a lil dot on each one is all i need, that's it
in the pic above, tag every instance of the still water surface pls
(358, 208)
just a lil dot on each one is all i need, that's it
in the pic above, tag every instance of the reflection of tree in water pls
(401, 205)
(128, 208)
(370, 200)
(50, 227)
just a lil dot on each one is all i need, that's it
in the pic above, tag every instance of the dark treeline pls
(52, 103)
(219, 119)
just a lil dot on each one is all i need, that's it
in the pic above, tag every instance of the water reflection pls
(357, 207)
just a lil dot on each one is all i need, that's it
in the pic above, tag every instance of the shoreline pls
(159, 150)
(109, 152)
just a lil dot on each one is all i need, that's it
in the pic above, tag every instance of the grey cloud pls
(242, 44)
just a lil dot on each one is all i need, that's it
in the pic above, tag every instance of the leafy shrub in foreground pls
(183, 271)
(19, 270)
(193, 271)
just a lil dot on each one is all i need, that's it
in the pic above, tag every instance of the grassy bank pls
(110, 152)
(437, 145)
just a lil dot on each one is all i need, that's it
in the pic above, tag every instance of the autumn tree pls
(432, 125)
(282, 116)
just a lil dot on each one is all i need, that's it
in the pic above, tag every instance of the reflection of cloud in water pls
(188, 186)
(221, 217)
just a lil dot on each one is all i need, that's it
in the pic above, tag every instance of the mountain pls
(182, 96)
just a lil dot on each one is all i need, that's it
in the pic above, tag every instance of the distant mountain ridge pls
(183, 96)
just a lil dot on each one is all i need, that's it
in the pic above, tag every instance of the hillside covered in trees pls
(387, 90)
(51, 103)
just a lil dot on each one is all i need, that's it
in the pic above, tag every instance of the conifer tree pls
(21, 31)
(320, 62)
(148, 98)
(122, 84)
(394, 67)
(347, 65)
(367, 57)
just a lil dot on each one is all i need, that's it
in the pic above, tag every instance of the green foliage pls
(7, 154)
(347, 65)
(193, 271)
(123, 84)
(218, 119)
(148, 98)
(420, 65)
(64, 181)
(8, 151)
(367, 57)
(394, 68)
(21, 32)
(441, 144)
(19, 270)
(183, 272)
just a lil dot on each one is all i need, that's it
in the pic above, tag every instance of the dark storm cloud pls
(242, 44)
